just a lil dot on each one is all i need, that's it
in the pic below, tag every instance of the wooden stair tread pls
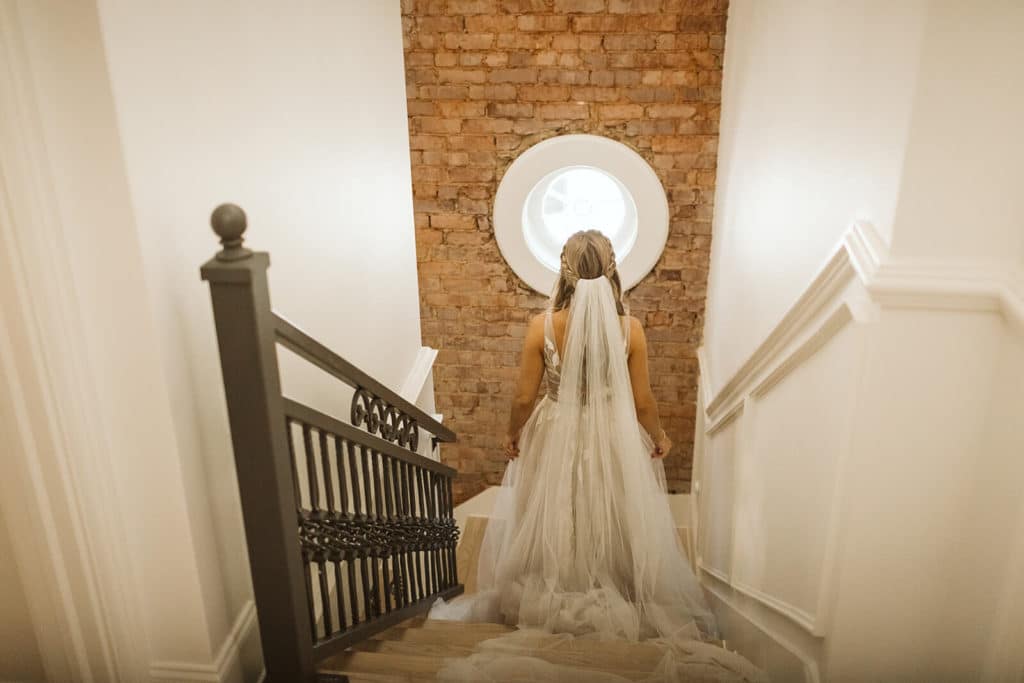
(454, 625)
(382, 666)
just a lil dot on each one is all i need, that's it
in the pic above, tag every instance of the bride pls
(581, 542)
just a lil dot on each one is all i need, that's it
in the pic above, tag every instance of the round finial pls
(228, 221)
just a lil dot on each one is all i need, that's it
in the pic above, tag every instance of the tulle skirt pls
(581, 543)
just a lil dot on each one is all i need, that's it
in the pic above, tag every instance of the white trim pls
(832, 325)
(837, 272)
(863, 256)
(704, 373)
(418, 374)
(808, 621)
(815, 623)
(611, 156)
(810, 666)
(857, 280)
(228, 656)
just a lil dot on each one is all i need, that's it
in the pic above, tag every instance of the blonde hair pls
(587, 255)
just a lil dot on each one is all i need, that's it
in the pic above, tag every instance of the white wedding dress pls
(581, 541)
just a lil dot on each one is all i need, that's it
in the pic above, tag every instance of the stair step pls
(454, 625)
(381, 666)
(416, 649)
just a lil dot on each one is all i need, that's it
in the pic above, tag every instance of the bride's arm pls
(531, 372)
(639, 378)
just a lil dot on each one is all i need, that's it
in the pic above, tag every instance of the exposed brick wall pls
(487, 79)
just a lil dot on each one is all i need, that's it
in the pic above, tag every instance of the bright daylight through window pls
(576, 198)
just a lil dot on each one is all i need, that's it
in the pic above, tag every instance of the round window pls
(579, 182)
(577, 198)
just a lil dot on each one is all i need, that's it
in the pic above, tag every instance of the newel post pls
(248, 359)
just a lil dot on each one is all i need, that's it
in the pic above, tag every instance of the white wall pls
(860, 461)
(960, 197)
(816, 107)
(19, 651)
(123, 126)
(298, 115)
(84, 321)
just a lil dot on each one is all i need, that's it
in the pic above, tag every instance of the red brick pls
(620, 111)
(634, 6)
(534, 22)
(681, 111)
(545, 71)
(510, 110)
(512, 76)
(492, 92)
(563, 111)
(582, 6)
(468, 41)
(461, 76)
(472, 6)
(544, 93)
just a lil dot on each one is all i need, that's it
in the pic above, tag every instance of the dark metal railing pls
(349, 529)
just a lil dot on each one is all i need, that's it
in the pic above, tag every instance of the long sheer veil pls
(581, 540)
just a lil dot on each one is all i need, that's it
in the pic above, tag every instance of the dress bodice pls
(552, 361)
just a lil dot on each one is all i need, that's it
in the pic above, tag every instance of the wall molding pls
(720, 593)
(228, 656)
(862, 256)
(858, 280)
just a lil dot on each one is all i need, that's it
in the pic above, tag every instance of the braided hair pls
(587, 254)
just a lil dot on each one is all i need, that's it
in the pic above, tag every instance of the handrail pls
(294, 339)
(349, 529)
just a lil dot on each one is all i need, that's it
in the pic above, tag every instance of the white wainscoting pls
(780, 484)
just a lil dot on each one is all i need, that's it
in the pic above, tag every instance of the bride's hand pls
(662, 446)
(511, 447)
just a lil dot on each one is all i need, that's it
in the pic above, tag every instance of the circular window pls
(572, 199)
(579, 182)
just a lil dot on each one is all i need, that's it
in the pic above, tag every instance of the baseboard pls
(768, 649)
(229, 666)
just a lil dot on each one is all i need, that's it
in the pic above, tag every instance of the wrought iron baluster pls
(307, 567)
(339, 592)
(325, 469)
(416, 471)
(289, 432)
(378, 497)
(354, 607)
(448, 515)
(339, 464)
(387, 599)
(397, 549)
(366, 590)
(366, 479)
(325, 601)
(353, 475)
(311, 479)
(435, 557)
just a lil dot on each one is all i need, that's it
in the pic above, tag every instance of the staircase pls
(415, 650)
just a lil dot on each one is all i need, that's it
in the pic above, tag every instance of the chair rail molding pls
(862, 257)
(60, 499)
(797, 405)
